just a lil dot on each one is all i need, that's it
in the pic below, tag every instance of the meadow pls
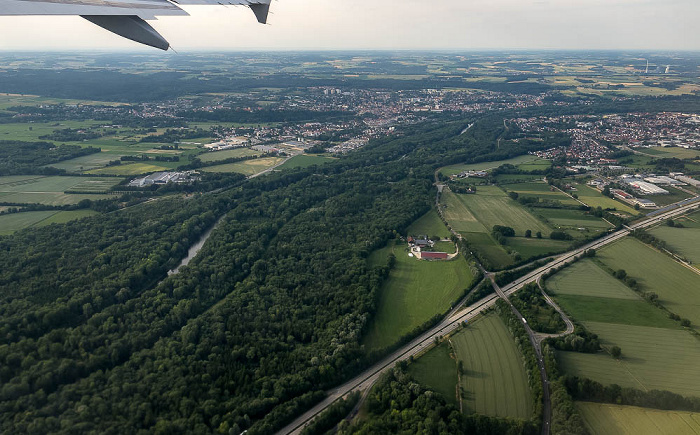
(531, 247)
(437, 370)
(678, 287)
(604, 419)
(682, 241)
(86, 163)
(542, 190)
(248, 167)
(571, 219)
(494, 379)
(34, 189)
(669, 152)
(414, 292)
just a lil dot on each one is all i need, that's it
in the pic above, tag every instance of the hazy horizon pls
(318, 25)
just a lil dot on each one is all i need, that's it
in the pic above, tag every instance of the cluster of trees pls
(581, 340)
(71, 135)
(541, 316)
(29, 158)
(565, 417)
(333, 415)
(171, 136)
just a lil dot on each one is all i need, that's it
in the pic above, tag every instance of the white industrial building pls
(647, 188)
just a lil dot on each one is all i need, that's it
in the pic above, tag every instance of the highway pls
(455, 318)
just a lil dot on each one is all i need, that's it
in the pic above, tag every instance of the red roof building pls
(433, 255)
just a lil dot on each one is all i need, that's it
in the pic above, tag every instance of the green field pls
(494, 379)
(652, 358)
(32, 189)
(429, 225)
(682, 241)
(536, 165)
(128, 169)
(585, 278)
(678, 287)
(668, 152)
(227, 154)
(542, 190)
(608, 419)
(86, 163)
(306, 160)
(248, 167)
(531, 247)
(437, 370)
(484, 166)
(414, 292)
(594, 198)
(571, 219)
(9, 223)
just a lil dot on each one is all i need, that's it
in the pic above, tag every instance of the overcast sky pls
(394, 24)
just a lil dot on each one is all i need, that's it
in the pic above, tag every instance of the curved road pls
(453, 320)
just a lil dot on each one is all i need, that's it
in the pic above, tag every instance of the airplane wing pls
(126, 18)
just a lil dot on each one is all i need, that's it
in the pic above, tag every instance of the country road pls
(453, 320)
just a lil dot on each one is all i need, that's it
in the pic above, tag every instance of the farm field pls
(429, 225)
(608, 419)
(129, 169)
(227, 154)
(494, 378)
(86, 163)
(531, 247)
(9, 223)
(585, 278)
(306, 160)
(678, 287)
(484, 166)
(683, 241)
(652, 358)
(571, 219)
(248, 167)
(437, 370)
(414, 292)
(542, 190)
(674, 195)
(615, 310)
(535, 165)
(593, 198)
(491, 206)
(50, 190)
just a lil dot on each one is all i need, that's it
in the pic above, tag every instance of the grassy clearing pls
(128, 169)
(414, 292)
(652, 358)
(678, 287)
(306, 160)
(495, 382)
(484, 166)
(683, 241)
(593, 198)
(488, 247)
(668, 152)
(66, 216)
(429, 224)
(585, 278)
(536, 165)
(10, 223)
(458, 214)
(438, 371)
(227, 154)
(248, 167)
(604, 419)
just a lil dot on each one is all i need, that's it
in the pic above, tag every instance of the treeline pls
(176, 135)
(71, 135)
(265, 115)
(29, 158)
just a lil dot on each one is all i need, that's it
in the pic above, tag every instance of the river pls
(194, 249)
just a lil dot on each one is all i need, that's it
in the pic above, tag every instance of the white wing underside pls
(124, 17)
